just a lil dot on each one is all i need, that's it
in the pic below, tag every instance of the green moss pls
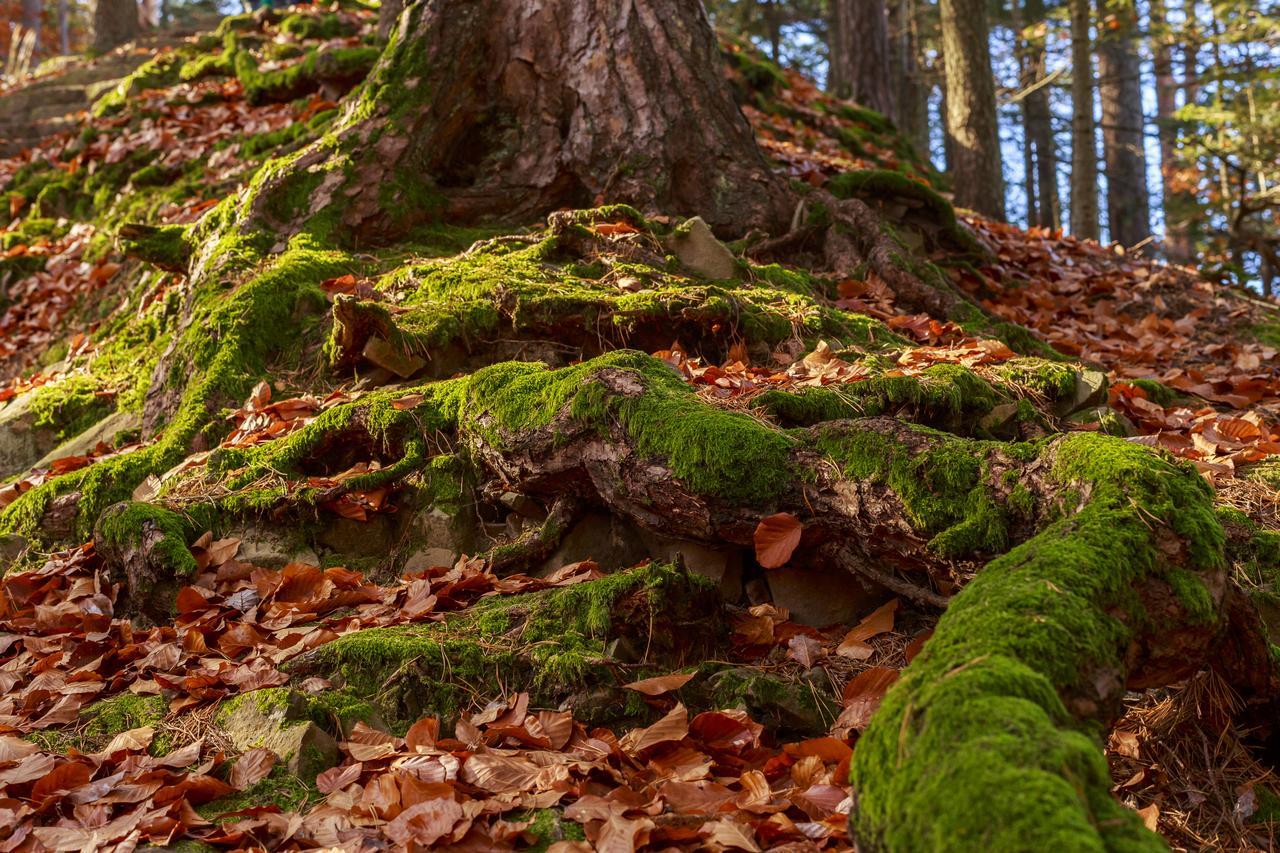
(280, 788)
(1050, 379)
(1157, 392)
(340, 65)
(302, 26)
(548, 826)
(127, 523)
(207, 65)
(943, 489)
(714, 452)
(980, 709)
(69, 407)
(553, 643)
(99, 722)
(156, 73)
(165, 247)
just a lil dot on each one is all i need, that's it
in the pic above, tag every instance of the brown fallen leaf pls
(854, 645)
(251, 768)
(776, 538)
(660, 684)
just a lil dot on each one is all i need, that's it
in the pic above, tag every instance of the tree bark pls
(974, 157)
(114, 23)
(1177, 207)
(1084, 143)
(64, 27)
(1120, 85)
(861, 55)
(912, 94)
(481, 110)
(31, 15)
(1039, 127)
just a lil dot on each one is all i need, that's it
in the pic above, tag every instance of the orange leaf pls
(660, 684)
(854, 645)
(776, 537)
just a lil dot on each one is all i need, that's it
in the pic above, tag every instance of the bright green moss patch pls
(979, 709)
(69, 407)
(101, 721)
(714, 452)
(280, 788)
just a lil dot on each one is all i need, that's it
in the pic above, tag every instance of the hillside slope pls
(602, 530)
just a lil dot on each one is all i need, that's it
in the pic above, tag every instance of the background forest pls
(1146, 122)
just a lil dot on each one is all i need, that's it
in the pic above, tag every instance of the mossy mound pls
(582, 640)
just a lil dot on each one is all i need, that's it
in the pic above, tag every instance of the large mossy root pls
(1118, 582)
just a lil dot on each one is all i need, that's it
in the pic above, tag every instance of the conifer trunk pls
(1039, 125)
(114, 23)
(1176, 204)
(1120, 85)
(1084, 143)
(31, 13)
(501, 109)
(861, 55)
(974, 155)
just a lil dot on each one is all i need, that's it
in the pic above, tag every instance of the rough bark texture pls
(1176, 204)
(114, 23)
(1120, 85)
(974, 156)
(1084, 141)
(1039, 127)
(508, 109)
(912, 92)
(31, 14)
(860, 55)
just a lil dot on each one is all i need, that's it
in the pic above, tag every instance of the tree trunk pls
(1039, 126)
(974, 158)
(114, 23)
(1120, 85)
(862, 27)
(31, 14)
(1178, 208)
(912, 95)
(1084, 143)
(64, 27)
(482, 110)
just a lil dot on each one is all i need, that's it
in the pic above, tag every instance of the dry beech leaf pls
(776, 538)
(660, 684)
(854, 645)
(804, 649)
(863, 695)
(251, 768)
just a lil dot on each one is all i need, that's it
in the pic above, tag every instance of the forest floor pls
(363, 653)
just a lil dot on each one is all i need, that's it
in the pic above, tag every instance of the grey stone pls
(700, 251)
(22, 443)
(722, 565)
(1090, 391)
(352, 538)
(103, 431)
(277, 720)
(612, 543)
(269, 548)
(819, 596)
(438, 538)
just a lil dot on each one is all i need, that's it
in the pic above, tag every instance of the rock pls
(1090, 391)
(386, 355)
(437, 538)
(348, 537)
(611, 542)
(22, 443)
(277, 719)
(272, 549)
(805, 708)
(820, 596)
(724, 566)
(699, 250)
(103, 431)
(997, 420)
(11, 547)
(1108, 420)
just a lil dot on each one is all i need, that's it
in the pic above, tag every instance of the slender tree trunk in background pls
(1084, 144)
(1038, 118)
(1178, 208)
(971, 108)
(865, 76)
(64, 27)
(912, 96)
(1120, 87)
(839, 63)
(31, 15)
(773, 23)
(114, 23)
